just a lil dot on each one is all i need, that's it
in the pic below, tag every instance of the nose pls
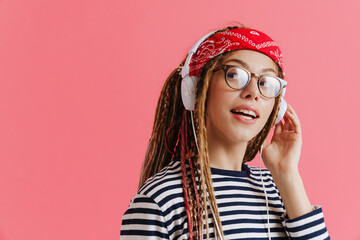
(251, 91)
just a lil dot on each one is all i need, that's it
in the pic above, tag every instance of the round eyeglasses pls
(238, 78)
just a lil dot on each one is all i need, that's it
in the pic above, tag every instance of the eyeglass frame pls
(225, 68)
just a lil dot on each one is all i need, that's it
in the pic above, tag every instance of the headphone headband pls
(186, 68)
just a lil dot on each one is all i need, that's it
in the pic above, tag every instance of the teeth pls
(246, 112)
(246, 117)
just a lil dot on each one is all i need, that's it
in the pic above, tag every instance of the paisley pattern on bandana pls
(231, 40)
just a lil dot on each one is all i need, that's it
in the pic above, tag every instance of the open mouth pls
(245, 113)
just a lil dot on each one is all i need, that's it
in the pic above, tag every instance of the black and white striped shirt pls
(158, 211)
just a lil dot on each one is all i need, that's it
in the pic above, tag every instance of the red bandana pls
(231, 40)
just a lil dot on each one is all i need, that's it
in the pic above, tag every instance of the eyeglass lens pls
(238, 78)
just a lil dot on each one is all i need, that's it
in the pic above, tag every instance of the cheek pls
(268, 109)
(217, 102)
(212, 96)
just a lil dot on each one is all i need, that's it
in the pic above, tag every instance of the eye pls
(237, 78)
(264, 83)
(269, 86)
(231, 74)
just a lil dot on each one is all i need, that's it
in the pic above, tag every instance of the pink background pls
(79, 82)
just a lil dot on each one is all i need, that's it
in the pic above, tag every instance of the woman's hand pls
(282, 155)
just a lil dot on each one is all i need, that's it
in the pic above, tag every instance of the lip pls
(249, 108)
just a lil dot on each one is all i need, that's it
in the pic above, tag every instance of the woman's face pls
(227, 118)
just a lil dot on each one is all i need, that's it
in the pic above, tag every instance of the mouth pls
(247, 114)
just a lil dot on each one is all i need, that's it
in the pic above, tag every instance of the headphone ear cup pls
(188, 87)
(282, 110)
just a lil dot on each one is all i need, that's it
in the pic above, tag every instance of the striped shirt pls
(158, 211)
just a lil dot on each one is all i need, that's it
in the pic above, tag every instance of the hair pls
(172, 136)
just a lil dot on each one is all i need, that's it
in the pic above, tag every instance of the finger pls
(277, 132)
(292, 111)
(287, 121)
(294, 123)
(278, 128)
(289, 107)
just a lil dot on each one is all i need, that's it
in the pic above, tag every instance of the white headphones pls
(282, 107)
(188, 84)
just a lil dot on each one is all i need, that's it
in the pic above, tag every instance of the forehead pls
(252, 60)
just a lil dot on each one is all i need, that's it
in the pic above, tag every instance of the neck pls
(225, 154)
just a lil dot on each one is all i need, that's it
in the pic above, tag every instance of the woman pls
(213, 115)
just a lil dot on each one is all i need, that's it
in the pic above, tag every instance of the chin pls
(242, 138)
(245, 135)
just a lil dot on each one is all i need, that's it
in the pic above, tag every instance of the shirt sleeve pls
(308, 226)
(143, 220)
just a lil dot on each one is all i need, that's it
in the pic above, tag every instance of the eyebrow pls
(244, 64)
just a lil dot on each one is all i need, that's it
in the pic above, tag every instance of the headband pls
(234, 39)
